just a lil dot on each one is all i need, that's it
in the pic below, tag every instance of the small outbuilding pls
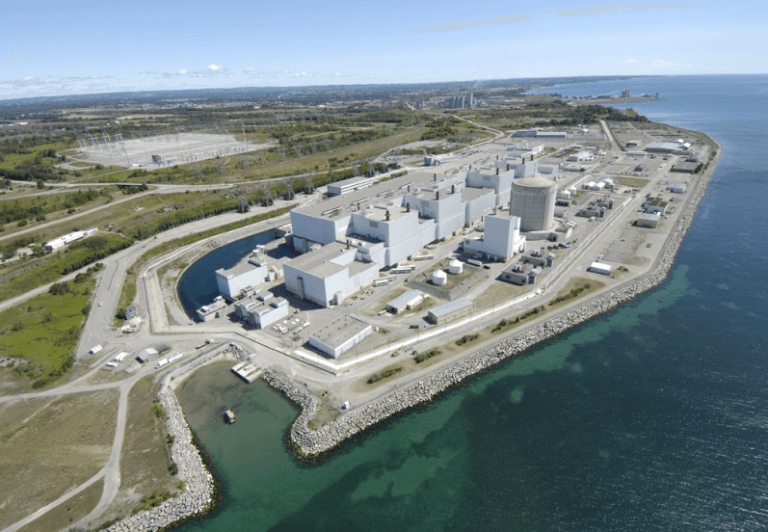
(678, 188)
(405, 301)
(450, 311)
(341, 335)
(648, 220)
(600, 267)
(147, 355)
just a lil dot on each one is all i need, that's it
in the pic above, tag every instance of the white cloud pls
(630, 61)
(460, 25)
(208, 72)
(304, 74)
(600, 9)
(666, 64)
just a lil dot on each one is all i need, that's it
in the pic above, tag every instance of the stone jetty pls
(197, 496)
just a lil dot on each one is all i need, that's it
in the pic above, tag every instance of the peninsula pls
(402, 248)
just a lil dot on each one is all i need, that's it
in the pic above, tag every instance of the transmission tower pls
(266, 195)
(242, 199)
(289, 193)
(308, 185)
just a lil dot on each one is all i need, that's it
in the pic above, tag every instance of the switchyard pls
(160, 150)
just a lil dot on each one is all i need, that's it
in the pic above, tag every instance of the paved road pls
(609, 134)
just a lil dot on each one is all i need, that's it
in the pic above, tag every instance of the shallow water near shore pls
(650, 418)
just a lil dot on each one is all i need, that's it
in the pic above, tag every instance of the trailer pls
(95, 349)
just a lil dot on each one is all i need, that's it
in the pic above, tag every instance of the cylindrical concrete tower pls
(533, 201)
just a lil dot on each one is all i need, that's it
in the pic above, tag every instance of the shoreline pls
(202, 487)
(202, 492)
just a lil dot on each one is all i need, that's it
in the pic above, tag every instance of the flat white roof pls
(600, 266)
(453, 306)
(340, 330)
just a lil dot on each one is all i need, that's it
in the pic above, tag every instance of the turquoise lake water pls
(651, 418)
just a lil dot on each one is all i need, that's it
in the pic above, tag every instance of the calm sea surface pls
(653, 418)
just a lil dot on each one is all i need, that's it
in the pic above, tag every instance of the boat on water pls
(229, 416)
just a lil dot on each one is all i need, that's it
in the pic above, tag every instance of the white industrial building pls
(262, 310)
(648, 220)
(478, 203)
(501, 238)
(437, 160)
(527, 169)
(60, 242)
(330, 274)
(678, 148)
(350, 185)
(450, 311)
(405, 301)
(677, 188)
(347, 239)
(341, 335)
(249, 274)
(600, 267)
(500, 182)
(540, 134)
(214, 310)
(581, 156)
(519, 274)
(524, 150)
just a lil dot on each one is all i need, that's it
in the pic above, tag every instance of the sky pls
(52, 48)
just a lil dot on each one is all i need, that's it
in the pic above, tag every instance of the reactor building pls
(533, 201)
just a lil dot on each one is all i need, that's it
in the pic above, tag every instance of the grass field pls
(143, 212)
(44, 332)
(57, 445)
(144, 466)
(499, 292)
(576, 288)
(137, 219)
(68, 512)
(633, 181)
(19, 277)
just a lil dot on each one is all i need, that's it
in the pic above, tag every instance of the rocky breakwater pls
(198, 495)
(311, 444)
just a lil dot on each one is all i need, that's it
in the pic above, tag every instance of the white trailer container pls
(95, 349)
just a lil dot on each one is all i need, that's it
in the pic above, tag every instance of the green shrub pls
(421, 357)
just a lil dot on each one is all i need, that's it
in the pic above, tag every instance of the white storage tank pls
(439, 278)
(455, 267)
